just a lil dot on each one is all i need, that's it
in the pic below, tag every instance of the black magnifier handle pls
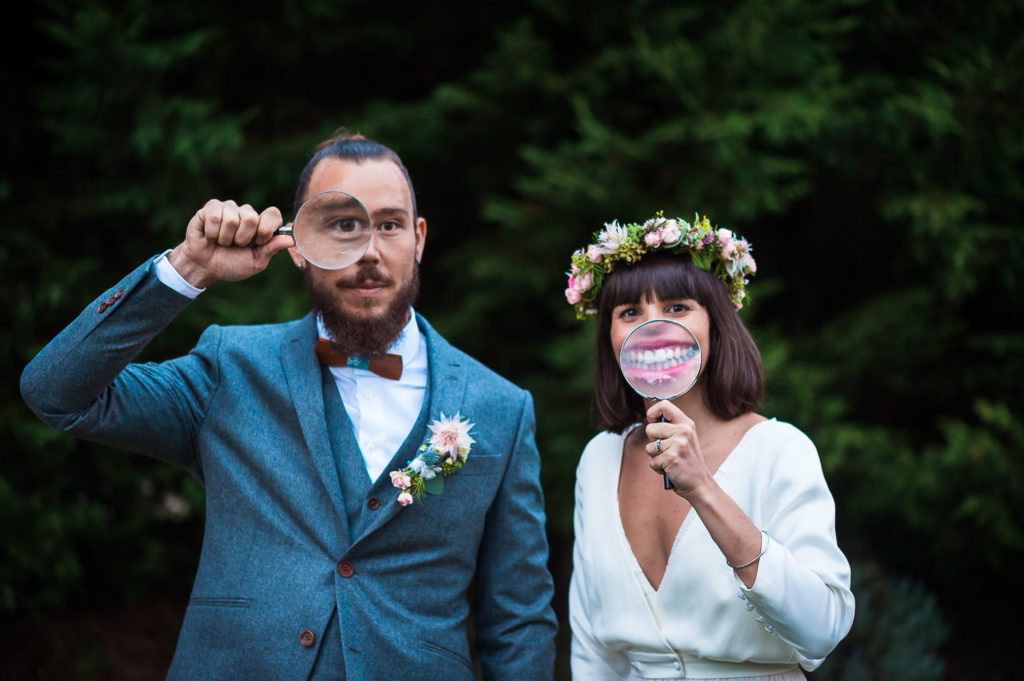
(668, 483)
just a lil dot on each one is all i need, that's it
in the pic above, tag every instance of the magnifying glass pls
(332, 230)
(660, 360)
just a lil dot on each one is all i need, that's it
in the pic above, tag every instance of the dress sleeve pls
(590, 659)
(802, 589)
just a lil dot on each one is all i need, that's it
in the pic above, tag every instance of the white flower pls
(611, 238)
(425, 470)
(451, 436)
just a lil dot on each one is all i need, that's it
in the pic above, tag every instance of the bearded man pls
(322, 558)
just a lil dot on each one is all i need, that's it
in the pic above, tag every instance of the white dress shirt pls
(702, 622)
(382, 411)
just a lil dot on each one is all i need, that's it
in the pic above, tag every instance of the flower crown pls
(719, 251)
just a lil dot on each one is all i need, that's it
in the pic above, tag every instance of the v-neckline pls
(683, 526)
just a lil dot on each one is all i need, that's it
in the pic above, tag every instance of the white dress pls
(702, 622)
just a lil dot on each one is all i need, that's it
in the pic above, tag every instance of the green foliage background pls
(871, 150)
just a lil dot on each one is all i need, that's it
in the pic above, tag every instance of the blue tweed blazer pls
(243, 412)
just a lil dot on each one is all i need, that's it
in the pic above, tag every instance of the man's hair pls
(733, 375)
(354, 148)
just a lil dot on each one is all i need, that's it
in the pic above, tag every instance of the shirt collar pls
(406, 344)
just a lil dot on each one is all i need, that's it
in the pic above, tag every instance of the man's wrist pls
(195, 275)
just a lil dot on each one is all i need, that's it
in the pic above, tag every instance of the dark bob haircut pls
(733, 376)
(354, 148)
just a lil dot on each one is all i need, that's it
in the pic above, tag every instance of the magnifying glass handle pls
(668, 483)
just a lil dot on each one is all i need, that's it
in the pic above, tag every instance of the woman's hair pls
(733, 375)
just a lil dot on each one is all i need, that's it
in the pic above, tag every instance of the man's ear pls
(421, 237)
(297, 258)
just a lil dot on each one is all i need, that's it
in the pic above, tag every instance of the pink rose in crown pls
(573, 296)
(670, 234)
(653, 239)
(594, 253)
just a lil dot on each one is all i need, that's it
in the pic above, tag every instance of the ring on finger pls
(657, 445)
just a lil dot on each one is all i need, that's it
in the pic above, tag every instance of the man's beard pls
(369, 335)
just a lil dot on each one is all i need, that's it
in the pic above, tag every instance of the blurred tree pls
(871, 150)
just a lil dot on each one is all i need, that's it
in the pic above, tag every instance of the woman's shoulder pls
(603, 448)
(773, 440)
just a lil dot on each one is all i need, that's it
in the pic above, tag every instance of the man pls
(311, 568)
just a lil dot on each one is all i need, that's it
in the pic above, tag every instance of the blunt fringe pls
(733, 378)
(355, 148)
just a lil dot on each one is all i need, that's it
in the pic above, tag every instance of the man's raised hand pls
(228, 242)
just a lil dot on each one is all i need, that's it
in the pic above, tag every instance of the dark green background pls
(872, 151)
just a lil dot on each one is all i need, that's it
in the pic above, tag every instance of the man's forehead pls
(379, 181)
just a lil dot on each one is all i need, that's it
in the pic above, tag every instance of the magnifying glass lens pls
(332, 230)
(660, 359)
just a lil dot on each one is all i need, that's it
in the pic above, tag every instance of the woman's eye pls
(679, 308)
(625, 313)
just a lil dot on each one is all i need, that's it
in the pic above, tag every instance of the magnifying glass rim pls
(299, 212)
(700, 357)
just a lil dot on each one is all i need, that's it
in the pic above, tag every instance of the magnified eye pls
(345, 224)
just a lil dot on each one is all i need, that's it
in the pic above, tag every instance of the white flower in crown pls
(611, 238)
(451, 436)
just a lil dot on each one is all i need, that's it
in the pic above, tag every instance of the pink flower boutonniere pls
(444, 452)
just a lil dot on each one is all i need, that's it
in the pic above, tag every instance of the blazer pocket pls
(493, 464)
(220, 602)
(448, 654)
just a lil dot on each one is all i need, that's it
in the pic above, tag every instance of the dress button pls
(307, 638)
(749, 606)
(345, 569)
(372, 503)
(677, 665)
(769, 628)
(759, 619)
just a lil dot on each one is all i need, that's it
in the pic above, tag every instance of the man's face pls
(369, 293)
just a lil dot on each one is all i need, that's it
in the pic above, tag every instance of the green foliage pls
(870, 150)
(897, 633)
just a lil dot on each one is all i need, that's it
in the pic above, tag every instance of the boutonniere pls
(444, 452)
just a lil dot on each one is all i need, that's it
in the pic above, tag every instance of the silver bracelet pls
(765, 539)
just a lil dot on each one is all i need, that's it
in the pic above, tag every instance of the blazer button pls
(345, 569)
(307, 638)
(373, 503)
(103, 307)
(117, 296)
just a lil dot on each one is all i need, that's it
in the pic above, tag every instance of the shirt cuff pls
(166, 273)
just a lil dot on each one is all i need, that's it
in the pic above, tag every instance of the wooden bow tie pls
(386, 366)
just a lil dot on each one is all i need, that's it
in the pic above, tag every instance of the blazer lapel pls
(305, 382)
(446, 392)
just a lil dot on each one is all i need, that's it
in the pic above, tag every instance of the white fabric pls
(382, 411)
(166, 273)
(702, 622)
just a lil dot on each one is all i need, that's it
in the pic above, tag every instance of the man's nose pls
(371, 254)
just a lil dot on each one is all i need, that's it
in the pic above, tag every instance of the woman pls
(735, 573)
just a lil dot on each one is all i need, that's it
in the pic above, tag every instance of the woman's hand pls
(680, 456)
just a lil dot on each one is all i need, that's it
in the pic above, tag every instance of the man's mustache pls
(366, 277)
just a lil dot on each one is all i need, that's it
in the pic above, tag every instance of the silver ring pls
(657, 445)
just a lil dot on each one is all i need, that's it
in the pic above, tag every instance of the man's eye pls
(346, 224)
(389, 227)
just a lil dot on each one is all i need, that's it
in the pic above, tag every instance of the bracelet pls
(765, 539)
